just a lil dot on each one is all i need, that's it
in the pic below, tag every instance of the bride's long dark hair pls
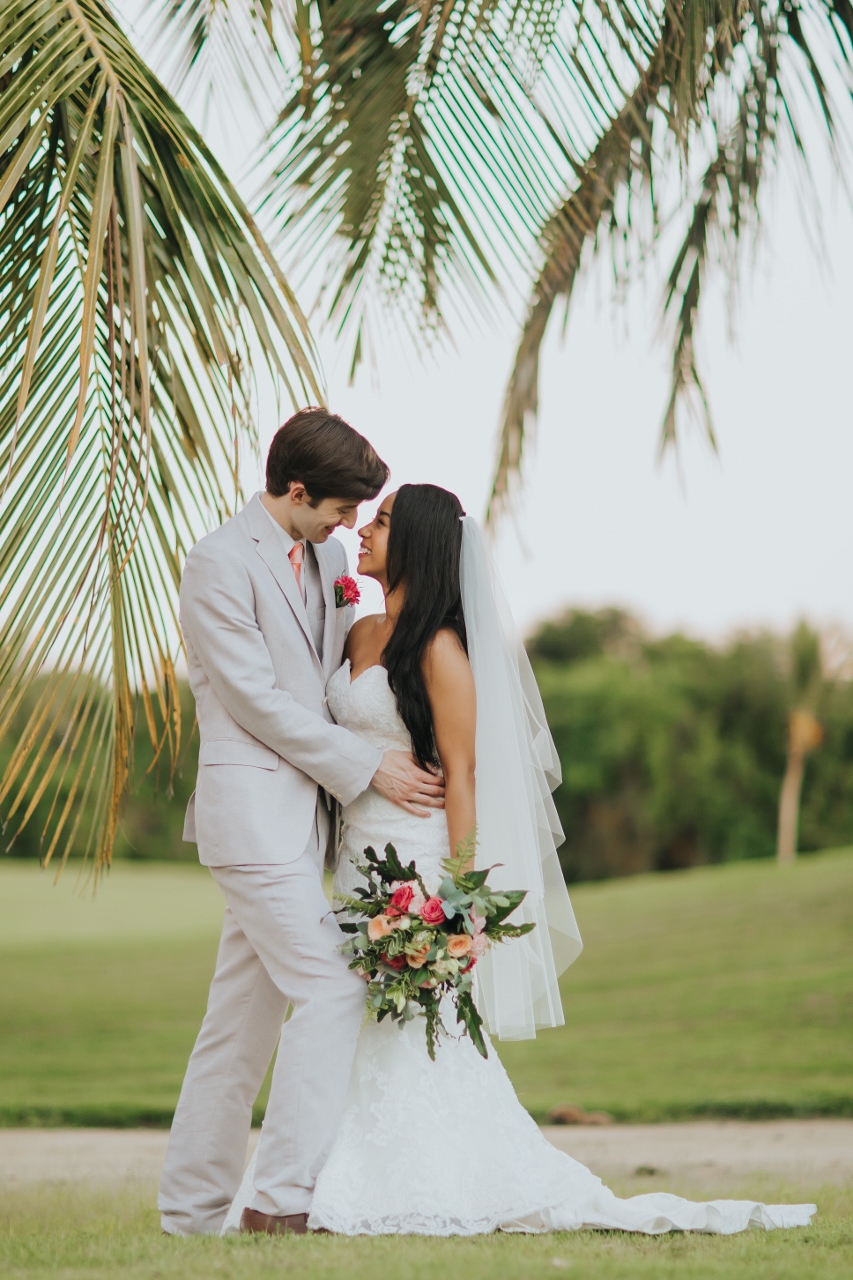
(424, 547)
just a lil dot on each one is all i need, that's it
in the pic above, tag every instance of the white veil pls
(517, 823)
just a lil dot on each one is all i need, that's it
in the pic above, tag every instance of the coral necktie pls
(295, 555)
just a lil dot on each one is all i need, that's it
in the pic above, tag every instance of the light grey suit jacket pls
(267, 739)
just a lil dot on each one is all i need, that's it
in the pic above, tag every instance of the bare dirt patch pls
(719, 1152)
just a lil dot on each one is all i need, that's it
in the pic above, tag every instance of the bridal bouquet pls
(413, 946)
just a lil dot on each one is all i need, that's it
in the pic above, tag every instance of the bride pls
(445, 1148)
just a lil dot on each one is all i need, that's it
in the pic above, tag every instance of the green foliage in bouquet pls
(413, 947)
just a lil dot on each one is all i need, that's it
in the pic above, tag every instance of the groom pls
(263, 633)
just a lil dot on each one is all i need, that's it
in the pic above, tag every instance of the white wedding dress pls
(445, 1148)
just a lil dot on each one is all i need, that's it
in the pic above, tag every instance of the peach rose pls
(458, 944)
(417, 952)
(379, 927)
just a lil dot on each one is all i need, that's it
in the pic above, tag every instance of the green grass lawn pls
(84, 1234)
(724, 990)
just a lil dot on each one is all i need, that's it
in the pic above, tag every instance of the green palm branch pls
(713, 94)
(137, 303)
(202, 45)
(429, 149)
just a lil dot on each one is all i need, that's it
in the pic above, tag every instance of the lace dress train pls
(445, 1148)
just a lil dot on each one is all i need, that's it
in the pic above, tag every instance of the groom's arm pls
(218, 620)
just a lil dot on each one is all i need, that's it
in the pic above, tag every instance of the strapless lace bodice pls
(367, 706)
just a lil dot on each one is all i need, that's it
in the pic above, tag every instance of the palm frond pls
(355, 146)
(205, 46)
(714, 89)
(413, 149)
(135, 295)
(725, 206)
(567, 233)
(684, 290)
(435, 145)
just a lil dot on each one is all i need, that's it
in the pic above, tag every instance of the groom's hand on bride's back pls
(404, 782)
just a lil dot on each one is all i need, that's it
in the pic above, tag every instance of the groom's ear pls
(298, 494)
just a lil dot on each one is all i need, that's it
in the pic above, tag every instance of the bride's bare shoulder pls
(363, 634)
(444, 650)
(449, 683)
(366, 624)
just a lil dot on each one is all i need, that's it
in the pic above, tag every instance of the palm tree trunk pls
(805, 732)
(789, 807)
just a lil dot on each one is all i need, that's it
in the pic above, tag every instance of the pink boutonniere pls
(346, 591)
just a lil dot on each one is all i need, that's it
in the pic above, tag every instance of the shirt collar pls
(289, 543)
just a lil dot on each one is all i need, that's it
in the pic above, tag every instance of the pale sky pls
(757, 535)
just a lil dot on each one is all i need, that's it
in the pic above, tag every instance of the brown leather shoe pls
(255, 1223)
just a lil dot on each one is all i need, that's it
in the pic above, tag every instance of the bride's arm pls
(450, 689)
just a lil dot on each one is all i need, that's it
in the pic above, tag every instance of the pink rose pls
(432, 912)
(479, 944)
(346, 591)
(402, 897)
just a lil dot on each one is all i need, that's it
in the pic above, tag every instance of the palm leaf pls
(718, 67)
(410, 152)
(435, 145)
(564, 239)
(202, 46)
(135, 295)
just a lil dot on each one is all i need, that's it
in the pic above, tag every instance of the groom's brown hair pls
(320, 450)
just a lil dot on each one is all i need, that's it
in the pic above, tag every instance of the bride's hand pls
(404, 783)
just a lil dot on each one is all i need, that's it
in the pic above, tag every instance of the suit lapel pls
(327, 581)
(271, 550)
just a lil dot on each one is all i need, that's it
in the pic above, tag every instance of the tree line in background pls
(674, 751)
